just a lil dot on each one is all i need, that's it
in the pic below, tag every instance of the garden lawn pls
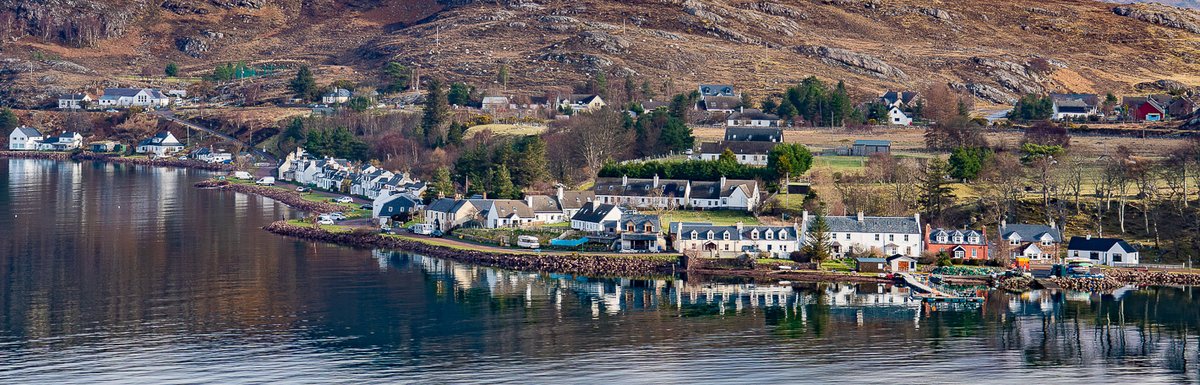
(716, 217)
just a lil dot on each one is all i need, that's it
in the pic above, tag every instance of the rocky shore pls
(592, 265)
(111, 158)
(290, 198)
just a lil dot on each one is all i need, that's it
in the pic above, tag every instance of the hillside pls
(996, 49)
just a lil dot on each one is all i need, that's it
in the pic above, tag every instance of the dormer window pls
(973, 239)
(649, 228)
(695, 235)
(770, 235)
(957, 239)
(754, 234)
(725, 235)
(941, 239)
(710, 235)
(782, 234)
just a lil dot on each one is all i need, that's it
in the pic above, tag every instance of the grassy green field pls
(840, 163)
(506, 129)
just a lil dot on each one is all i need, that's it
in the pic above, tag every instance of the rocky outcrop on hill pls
(1164, 16)
(856, 61)
(985, 92)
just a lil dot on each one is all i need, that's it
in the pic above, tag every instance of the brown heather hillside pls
(996, 49)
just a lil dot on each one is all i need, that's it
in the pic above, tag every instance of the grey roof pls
(1030, 232)
(402, 203)
(892, 225)
(950, 234)
(508, 207)
(713, 190)
(582, 98)
(904, 97)
(870, 260)
(574, 200)
(715, 90)
(702, 230)
(652, 105)
(339, 92)
(738, 147)
(444, 205)
(870, 142)
(543, 203)
(111, 93)
(752, 114)
(640, 187)
(72, 97)
(29, 132)
(639, 220)
(593, 212)
(754, 134)
(1089, 100)
(722, 103)
(1099, 244)
(639, 237)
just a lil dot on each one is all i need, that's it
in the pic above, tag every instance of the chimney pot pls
(860, 216)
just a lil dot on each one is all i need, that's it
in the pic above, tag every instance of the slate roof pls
(905, 97)
(713, 190)
(508, 207)
(1030, 233)
(754, 134)
(652, 105)
(339, 92)
(722, 102)
(582, 98)
(114, 93)
(159, 139)
(893, 225)
(495, 100)
(716, 90)
(640, 187)
(1098, 244)
(752, 114)
(443, 205)
(543, 204)
(29, 132)
(870, 260)
(593, 212)
(738, 147)
(399, 204)
(574, 200)
(639, 221)
(1089, 100)
(702, 230)
(950, 234)
(72, 97)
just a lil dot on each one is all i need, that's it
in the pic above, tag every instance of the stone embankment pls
(290, 198)
(1148, 278)
(111, 158)
(585, 264)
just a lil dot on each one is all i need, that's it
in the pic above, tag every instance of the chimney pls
(529, 200)
(1089, 237)
(624, 180)
(655, 180)
(928, 231)
(917, 217)
(558, 192)
(860, 216)
(739, 226)
(804, 218)
(722, 183)
(1052, 224)
(1003, 224)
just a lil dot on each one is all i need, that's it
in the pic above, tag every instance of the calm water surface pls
(114, 273)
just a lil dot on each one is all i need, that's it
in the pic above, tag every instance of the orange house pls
(958, 244)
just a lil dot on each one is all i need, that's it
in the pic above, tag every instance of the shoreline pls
(113, 158)
(290, 198)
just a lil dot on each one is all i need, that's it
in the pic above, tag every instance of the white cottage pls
(1103, 251)
(161, 144)
(881, 235)
(24, 138)
(739, 239)
(133, 97)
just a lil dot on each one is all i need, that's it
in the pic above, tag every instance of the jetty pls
(931, 294)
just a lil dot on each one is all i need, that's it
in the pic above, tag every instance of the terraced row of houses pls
(343, 176)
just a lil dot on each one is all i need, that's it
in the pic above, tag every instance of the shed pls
(870, 265)
(869, 147)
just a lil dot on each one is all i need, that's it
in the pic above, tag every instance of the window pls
(832, 235)
(726, 247)
(891, 237)
(1013, 242)
(1094, 255)
(958, 254)
(783, 247)
(649, 228)
(782, 234)
(754, 234)
(876, 237)
(770, 235)
(1046, 242)
(906, 237)
(1117, 257)
(974, 253)
(725, 235)
(710, 235)
(768, 247)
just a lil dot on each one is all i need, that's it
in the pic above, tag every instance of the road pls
(170, 116)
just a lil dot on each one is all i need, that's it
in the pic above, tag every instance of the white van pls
(421, 229)
(266, 181)
(528, 242)
(242, 175)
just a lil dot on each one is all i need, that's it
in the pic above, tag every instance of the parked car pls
(367, 207)
(338, 216)
(302, 189)
(266, 181)
(343, 200)
(421, 229)
(325, 221)
(437, 234)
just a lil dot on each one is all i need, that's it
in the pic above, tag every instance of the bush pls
(799, 257)
(944, 260)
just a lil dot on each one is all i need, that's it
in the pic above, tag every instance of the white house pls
(1036, 242)
(131, 97)
(336, 96)
(896, 117)
(503, 213)
(494, 104)
(446, 213)
(725, 194)
(877, 235)
(389, 206)
(24, 138)
(210, 155)
(643, 193)
(746, 152)
(1103, 251)
(731, 241)
(66, 141)
(592, 216)
(73, 101)
(161, 144)
(1074, 106)
(751, 117)
(581, 103)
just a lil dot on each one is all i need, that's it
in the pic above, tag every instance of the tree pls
(304, 86)
(789, 159)
(359, 103)
(502, 75)
(338, 142)
(441, 186)
(396, 77)
(1047, 133)
(460, 94)
(676, 136)
(599, 137)
(437, 109)
(530, 163)
(816, 240)
(502, 184)
(942, 104)
(8, 120)
(935, 190)
(840, 106)
(630, 89)
(647, 90)
(454, 134)
(966, 163)
(171, 70)
(1032, 107)
(599, 84)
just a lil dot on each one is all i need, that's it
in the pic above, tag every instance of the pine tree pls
(454, 134)
(816, 240)
(442, 187)
(502, 184)
(600, 84)
(935, 190)
(8, 120)
(502, 75)
(630, 89)
(676, 136)
(172, 70)
(437, 108)
(304, 86)
(531, 162)
(647, 90)
(397, 77)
